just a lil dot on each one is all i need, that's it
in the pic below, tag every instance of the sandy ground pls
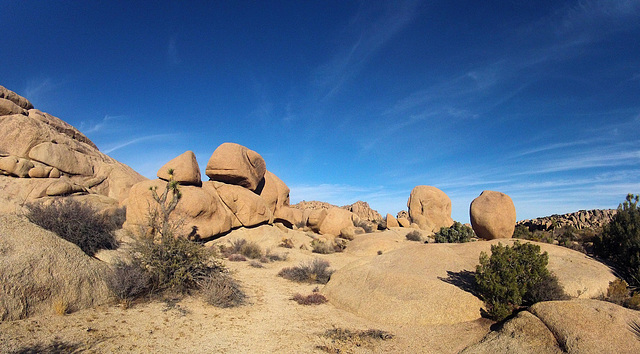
(270, 322)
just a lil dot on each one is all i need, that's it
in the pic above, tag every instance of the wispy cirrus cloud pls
(154, 137)
(369, 34)
(104, 124)
(36, 89)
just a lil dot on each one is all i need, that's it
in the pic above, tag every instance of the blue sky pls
(352, 100)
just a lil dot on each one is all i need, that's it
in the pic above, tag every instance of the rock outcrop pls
(363, 211)
(493, 215)
(424, 284)
(211, 208)
(41, 270)
(583, 219)
(391, 221)
(429, 208)
(41, 155)
(577, 326)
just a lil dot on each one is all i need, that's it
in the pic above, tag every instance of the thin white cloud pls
(370, 37)
(37, 88)
(88, 128)
(137, 140)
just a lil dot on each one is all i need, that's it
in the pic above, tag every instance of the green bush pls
(620, 240)
(456, 233)
(75, 222)
(513, 276)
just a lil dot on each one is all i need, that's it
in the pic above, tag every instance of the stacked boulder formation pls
(583, 219)
(240, 193)
(43, 156)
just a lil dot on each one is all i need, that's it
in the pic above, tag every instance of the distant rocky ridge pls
(360, 208)
(583, 219)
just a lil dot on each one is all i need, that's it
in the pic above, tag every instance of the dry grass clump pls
(241, 246)
(61, 307)
(342, 340)
(316, 271)
(269, 256)
(414, 235)
(311, 299)
(221, 290)
(76, 222)
(128, 282)
(322, 247)
(256, 264)
(236, 257)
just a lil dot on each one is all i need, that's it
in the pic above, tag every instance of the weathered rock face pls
(210, 208)
(313, 205)
(37, 149)
(430, 208)
(39, 269)
(577, 326)
(391, 221)
(235, 164)
(335, 220)
(493, 215)
(363, 211)
(583, 219)
(423, 283)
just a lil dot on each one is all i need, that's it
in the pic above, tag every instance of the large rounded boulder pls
(235, 164)
(429, 208)
(493, 215)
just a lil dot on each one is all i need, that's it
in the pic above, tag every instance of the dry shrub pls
(273, 257)
(221, 290)
(61, 307)
(76, 222)
(236, 257)
(286, 243)
(343, 340)
(322, 247)
(128, 282)
(241, 246)
(414, 235)
(366, 225)
(316, 271)
(311, 299)
(617, 291)
(256, 264)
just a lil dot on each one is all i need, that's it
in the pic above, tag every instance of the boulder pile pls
(240, 192)
(43, 156)
(583, 219)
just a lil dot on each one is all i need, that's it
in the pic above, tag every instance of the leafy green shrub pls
(620, 240)
(221, 290)
(510, 277)
(456, 233)
(414, 235)
(316, 271)
(75, 222)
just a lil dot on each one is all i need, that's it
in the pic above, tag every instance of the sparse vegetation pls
(314, 298)
(286, 243)
(324, 247)
(316, 271)
(221, 290)
(55, 347)
(342, 340)
(514, 276)
(236, 257)
(414, 235)
(75, 222)
(620, 240)
(619, 293)
(366, 225)
(243, 247)
(128, 282)
(456, 233)
(61, 307)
